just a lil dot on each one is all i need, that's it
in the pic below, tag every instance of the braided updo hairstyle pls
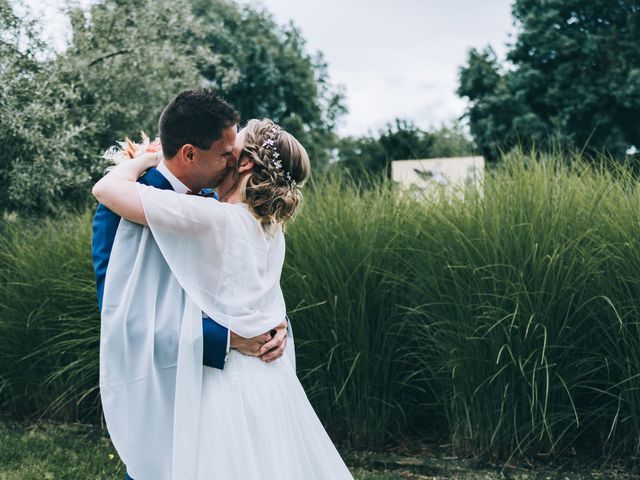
(272, 191)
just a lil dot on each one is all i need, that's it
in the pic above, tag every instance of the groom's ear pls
(187, 153)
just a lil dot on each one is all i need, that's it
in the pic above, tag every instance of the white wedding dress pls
(256, 423)
(168, 416)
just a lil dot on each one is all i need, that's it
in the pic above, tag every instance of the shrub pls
(49, 322)
(505, 320)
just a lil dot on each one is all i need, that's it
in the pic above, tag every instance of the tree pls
(575, 78)
(265, 71)
(40, 141)
(125, 61)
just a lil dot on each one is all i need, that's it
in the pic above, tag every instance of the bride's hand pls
(274, 348)
(269, 346)
(118, 191)
(149, 159)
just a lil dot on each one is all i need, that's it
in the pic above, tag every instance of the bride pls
(251, 420)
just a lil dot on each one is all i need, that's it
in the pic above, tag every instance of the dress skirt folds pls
(256, 423)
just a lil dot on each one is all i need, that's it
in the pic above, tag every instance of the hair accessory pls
(291, 180)
(270, 144)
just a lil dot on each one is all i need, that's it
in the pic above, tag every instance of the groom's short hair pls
(197, 117)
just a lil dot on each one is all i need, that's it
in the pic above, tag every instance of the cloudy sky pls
(394, 59)
(400, 58)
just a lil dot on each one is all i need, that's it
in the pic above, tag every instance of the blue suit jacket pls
(105, 224)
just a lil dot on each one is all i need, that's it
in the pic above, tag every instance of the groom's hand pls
(274, 348)
(249, 346)
(268, 346)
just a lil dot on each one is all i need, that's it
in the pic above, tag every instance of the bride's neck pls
(235, 195)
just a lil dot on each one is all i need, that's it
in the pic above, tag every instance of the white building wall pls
(449, 173)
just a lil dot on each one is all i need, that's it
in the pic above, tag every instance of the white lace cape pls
(197, 255)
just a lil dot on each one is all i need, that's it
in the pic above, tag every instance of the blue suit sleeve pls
(105, 225)
(214, 343)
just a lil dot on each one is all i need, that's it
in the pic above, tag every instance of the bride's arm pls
(117, 189)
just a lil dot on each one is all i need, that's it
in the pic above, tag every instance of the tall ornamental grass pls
(49, 323)
(526, 310)
(502, 319)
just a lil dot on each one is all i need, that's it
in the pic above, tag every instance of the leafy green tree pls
(136, 55)
(41, 142)
(450, 141)
(125, 61)
(265, 71)
(59, 112)
(574, 78)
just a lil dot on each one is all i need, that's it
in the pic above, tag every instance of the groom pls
(198, 133)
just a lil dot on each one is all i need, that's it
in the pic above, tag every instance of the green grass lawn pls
(70, 451)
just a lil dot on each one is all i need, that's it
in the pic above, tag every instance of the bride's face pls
(228, 182)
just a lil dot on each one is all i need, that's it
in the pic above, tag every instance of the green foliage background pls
(504, 321)
(572, 77)
(126, 60)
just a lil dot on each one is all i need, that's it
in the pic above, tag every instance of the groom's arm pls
(215, 337)
(216, 343)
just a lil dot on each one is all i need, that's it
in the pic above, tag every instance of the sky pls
(395, 59)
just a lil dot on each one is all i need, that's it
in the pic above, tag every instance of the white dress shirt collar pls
(176, 184)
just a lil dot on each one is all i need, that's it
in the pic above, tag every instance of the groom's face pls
(211, 165)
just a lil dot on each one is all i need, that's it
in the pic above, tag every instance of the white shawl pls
(197, 255)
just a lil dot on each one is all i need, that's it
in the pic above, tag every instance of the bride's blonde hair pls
(281, 167)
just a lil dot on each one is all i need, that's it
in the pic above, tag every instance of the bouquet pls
(129, 149)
